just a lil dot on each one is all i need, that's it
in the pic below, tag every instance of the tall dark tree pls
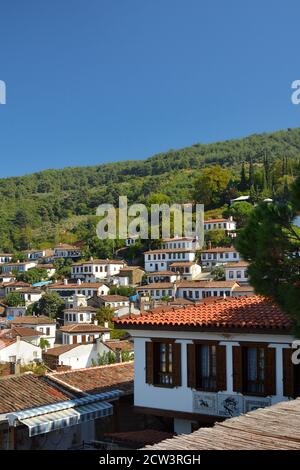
(270, 243)
(243, 184)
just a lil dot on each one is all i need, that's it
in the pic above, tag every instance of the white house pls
(157, 290)
(162, 276)
(187, 243)
(5, 257)
(42, 324)
(63, 250)
(78, 356)
(160, 260)
(30, 295)
(217, 256)
(14, 312)
(114, 301)
(18, 266)
(207, 362)
(195, 290)
(18, 351)
(228, 225)
(38, 254)
(88, 289)
(8, 287)
(79, 315)
(84, 333)
(237, 272)
(186, 270)
(96, 269)
(26, 334)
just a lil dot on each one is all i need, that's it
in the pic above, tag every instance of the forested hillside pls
(49, 206)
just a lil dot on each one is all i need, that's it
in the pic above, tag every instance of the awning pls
(63, 414)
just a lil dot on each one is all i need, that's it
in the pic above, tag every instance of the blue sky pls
(106, 80)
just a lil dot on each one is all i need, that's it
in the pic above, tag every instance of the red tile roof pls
(99, 261)
(97, 379)
(83, 327)
(27, 391)
(206, 284)
(114, 298)
(19, 331)
(236, 264)
(254, 312)
(220, 249)
(57, 351)
(32, 320)
(83, 285)
(157, 285)
(121, 345)
(171, 250)
(208, 221)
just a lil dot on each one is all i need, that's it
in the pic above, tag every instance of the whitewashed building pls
(88, 289)
(218, 256)
(207, 362)
(44, 325)
(196, 290)
(96, 269)
(237, 272)
(63, 250)
(19, 266)
(84, 333)
(228, 225)
(160, 260)
(157, 290)
(186, 270)
(5, 257)
(18, 351)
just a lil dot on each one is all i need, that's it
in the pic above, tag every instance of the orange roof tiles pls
(240, 312)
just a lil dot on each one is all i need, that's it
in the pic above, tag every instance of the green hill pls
(44, 207)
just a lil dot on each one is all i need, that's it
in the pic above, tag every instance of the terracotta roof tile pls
(157, 285)
(235, 312)
(114, 298)
(83, 327)
(57, 351)
(32, 320)
(98, 379)
(207, 284)
(27, 391)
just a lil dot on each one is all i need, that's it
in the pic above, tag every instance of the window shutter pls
(270, 371)
(237, 368)
(176, 364)
(191, 365)
(149, 360)
(221, 368)
(288, 372)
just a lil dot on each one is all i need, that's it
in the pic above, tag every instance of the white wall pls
(182, 398)
(24, 351)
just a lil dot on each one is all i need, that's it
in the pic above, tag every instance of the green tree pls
(217, 238)
(33, 275)
(269, 242)
(14, 299)
(240, 211)
(243, 184)
(44, 343)
(103, 314)
(210, 186)
(218, 273)
(50, 304)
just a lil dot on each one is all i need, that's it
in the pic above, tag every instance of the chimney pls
(231, 218)
(118, 355)
(65, 282)
(209, 245)
(79, 282)
(96, 322)
(106, 324)
(106, 334)
(91, 258)
(142, 306)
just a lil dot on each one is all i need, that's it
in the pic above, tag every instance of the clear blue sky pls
(92, 81)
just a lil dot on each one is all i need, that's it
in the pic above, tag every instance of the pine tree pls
(251, 173)
(243, 185)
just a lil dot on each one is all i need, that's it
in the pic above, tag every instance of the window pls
(207, 366)
(254, 367)
(239, 274)
(12, 359)
(254, 370)
(163, 363)
(235, 255)
(83, 339)
(245, 273)
(48, 331)
(81, 317)
(230, 274)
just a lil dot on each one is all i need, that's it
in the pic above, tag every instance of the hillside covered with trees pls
(54, 206)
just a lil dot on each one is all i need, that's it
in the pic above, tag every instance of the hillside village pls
(182, 338)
